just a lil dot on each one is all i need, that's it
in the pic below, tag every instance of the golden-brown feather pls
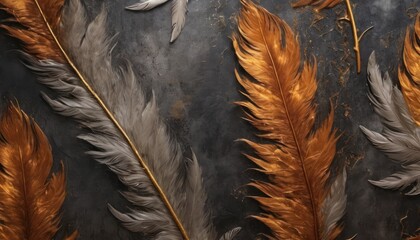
(414, 238)
(30, 198)
(280, 105)
(409, 73)
(33, 32)
(318, 4)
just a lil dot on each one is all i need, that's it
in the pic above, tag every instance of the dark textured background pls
(195, 86)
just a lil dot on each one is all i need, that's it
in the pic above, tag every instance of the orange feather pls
(413, 238)
(34, 33)
(409, 73)
(281, 106)
(30, 198)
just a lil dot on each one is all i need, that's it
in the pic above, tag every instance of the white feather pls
(146, 5)
(179, 13)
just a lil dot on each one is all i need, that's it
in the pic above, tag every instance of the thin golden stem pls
(364, 32)
(355, 36)
(119, 127)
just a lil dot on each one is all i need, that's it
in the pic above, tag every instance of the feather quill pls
(30, 199)
(164, 188)
(299, 203)
(400, 137)
(179, 12)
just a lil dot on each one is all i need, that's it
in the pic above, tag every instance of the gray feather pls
(179, 13)
(402, 180)
(231, 234)
(400, 137)
(334, 205)
(90, 47)
(146, 5)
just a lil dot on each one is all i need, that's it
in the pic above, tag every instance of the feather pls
(409, 74)
(30, 198)
(280, 105)
(400, 115)
(231, 234)
(334, 206)
(164, 188)
(400, 137)
(179, 12)
(319, 4)
(38, 41)
(146, 5)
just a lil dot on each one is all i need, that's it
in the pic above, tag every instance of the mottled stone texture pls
(194, 82)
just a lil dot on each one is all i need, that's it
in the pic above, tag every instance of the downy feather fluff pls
(179, 13)
(298, 201)
(30, 199)
(86, 55)
(400, 137)
(318, 4)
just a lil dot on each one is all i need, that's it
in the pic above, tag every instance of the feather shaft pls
(118, 126)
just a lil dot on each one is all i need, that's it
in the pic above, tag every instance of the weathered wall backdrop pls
(194, 82)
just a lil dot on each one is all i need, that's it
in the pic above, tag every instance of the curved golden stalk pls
(321, 4)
